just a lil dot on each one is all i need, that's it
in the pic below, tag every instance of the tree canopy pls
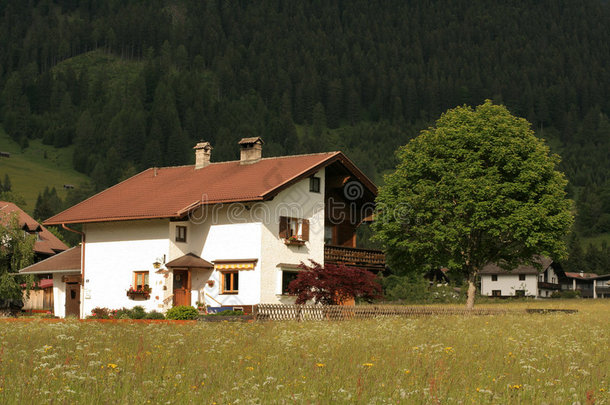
(478, 187)
(16, 252)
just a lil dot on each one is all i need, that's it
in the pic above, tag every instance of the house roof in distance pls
(493, 268)
(581, 276)
(47, 243)
(172, 192)
(69, 260)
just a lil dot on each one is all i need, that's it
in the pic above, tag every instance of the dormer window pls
(314, 184)
(180, 233)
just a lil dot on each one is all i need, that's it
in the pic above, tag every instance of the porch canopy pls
(190, 260)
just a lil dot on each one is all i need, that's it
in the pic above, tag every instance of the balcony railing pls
(549, 286)
(368, 259)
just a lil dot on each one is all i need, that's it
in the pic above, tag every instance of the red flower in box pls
(143, 291)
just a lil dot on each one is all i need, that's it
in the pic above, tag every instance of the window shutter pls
(305, 230)
(283, 227)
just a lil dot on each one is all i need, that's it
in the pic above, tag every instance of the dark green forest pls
(137, 83)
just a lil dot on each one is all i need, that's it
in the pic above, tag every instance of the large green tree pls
(16, 252)
(478, 187)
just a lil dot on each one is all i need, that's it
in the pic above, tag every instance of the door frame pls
(70, 287)
(187, 271)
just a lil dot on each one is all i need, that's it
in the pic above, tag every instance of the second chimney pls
(203, 152)
(251, 150)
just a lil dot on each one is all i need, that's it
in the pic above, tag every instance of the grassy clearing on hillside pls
(31, 172)
(98, 62)
(539, 359)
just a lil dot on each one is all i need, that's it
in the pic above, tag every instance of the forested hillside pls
(136, 83)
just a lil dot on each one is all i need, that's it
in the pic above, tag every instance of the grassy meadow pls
(30, 171)
(516, 359)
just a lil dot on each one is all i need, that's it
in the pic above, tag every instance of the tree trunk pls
(472, 289)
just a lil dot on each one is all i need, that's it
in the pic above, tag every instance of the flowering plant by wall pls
(142, 290)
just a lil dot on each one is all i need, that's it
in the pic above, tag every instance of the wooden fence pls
(279, 312)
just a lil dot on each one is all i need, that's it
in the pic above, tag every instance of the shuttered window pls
(294, 227)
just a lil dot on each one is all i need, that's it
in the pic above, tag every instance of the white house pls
(226, 233)
(525, 280)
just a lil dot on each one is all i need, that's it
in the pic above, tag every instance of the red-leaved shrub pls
(333, 284)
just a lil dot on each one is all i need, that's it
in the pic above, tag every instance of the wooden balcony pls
(367, 259)
(549, 286)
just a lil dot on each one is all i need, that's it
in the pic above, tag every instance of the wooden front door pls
(72, 299)
(182, 287)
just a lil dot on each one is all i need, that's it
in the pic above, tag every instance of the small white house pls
(227, 234)
(525, 280)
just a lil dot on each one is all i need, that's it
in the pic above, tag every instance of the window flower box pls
(294, 241)
(139, 293)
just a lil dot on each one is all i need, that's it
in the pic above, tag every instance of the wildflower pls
(367, 364)
(248, 368)
(407, 372)
(112, 365)
(320, 365)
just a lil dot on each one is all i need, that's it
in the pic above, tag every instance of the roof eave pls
(336, 156)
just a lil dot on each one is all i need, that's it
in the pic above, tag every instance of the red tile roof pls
(582, 276)
(64, 261)
(172, 192)
(47, 243)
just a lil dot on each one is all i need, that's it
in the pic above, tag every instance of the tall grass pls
(552, 359)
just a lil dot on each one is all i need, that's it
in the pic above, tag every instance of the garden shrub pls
(182, 312)
(154, 315)
(137, 312)
(100, 313)
(566, 294)
(228, 312)
(416, 289)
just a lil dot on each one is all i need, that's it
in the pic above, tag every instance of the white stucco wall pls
(297, 202)
(59, 293)
(509, 283)
(114, 250)
(221, 232)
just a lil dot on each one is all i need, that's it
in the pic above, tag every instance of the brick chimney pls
(203, 152)
(251, 150)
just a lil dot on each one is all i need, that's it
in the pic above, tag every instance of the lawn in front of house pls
(555, 358)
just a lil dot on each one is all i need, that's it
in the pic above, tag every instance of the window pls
(287, 277)
(180, 233)
(521, 277)
(314, 184)
(296, 228)
(328, 235)
(494, 277)
(140, 279)
(230, 282)
(496, 293)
